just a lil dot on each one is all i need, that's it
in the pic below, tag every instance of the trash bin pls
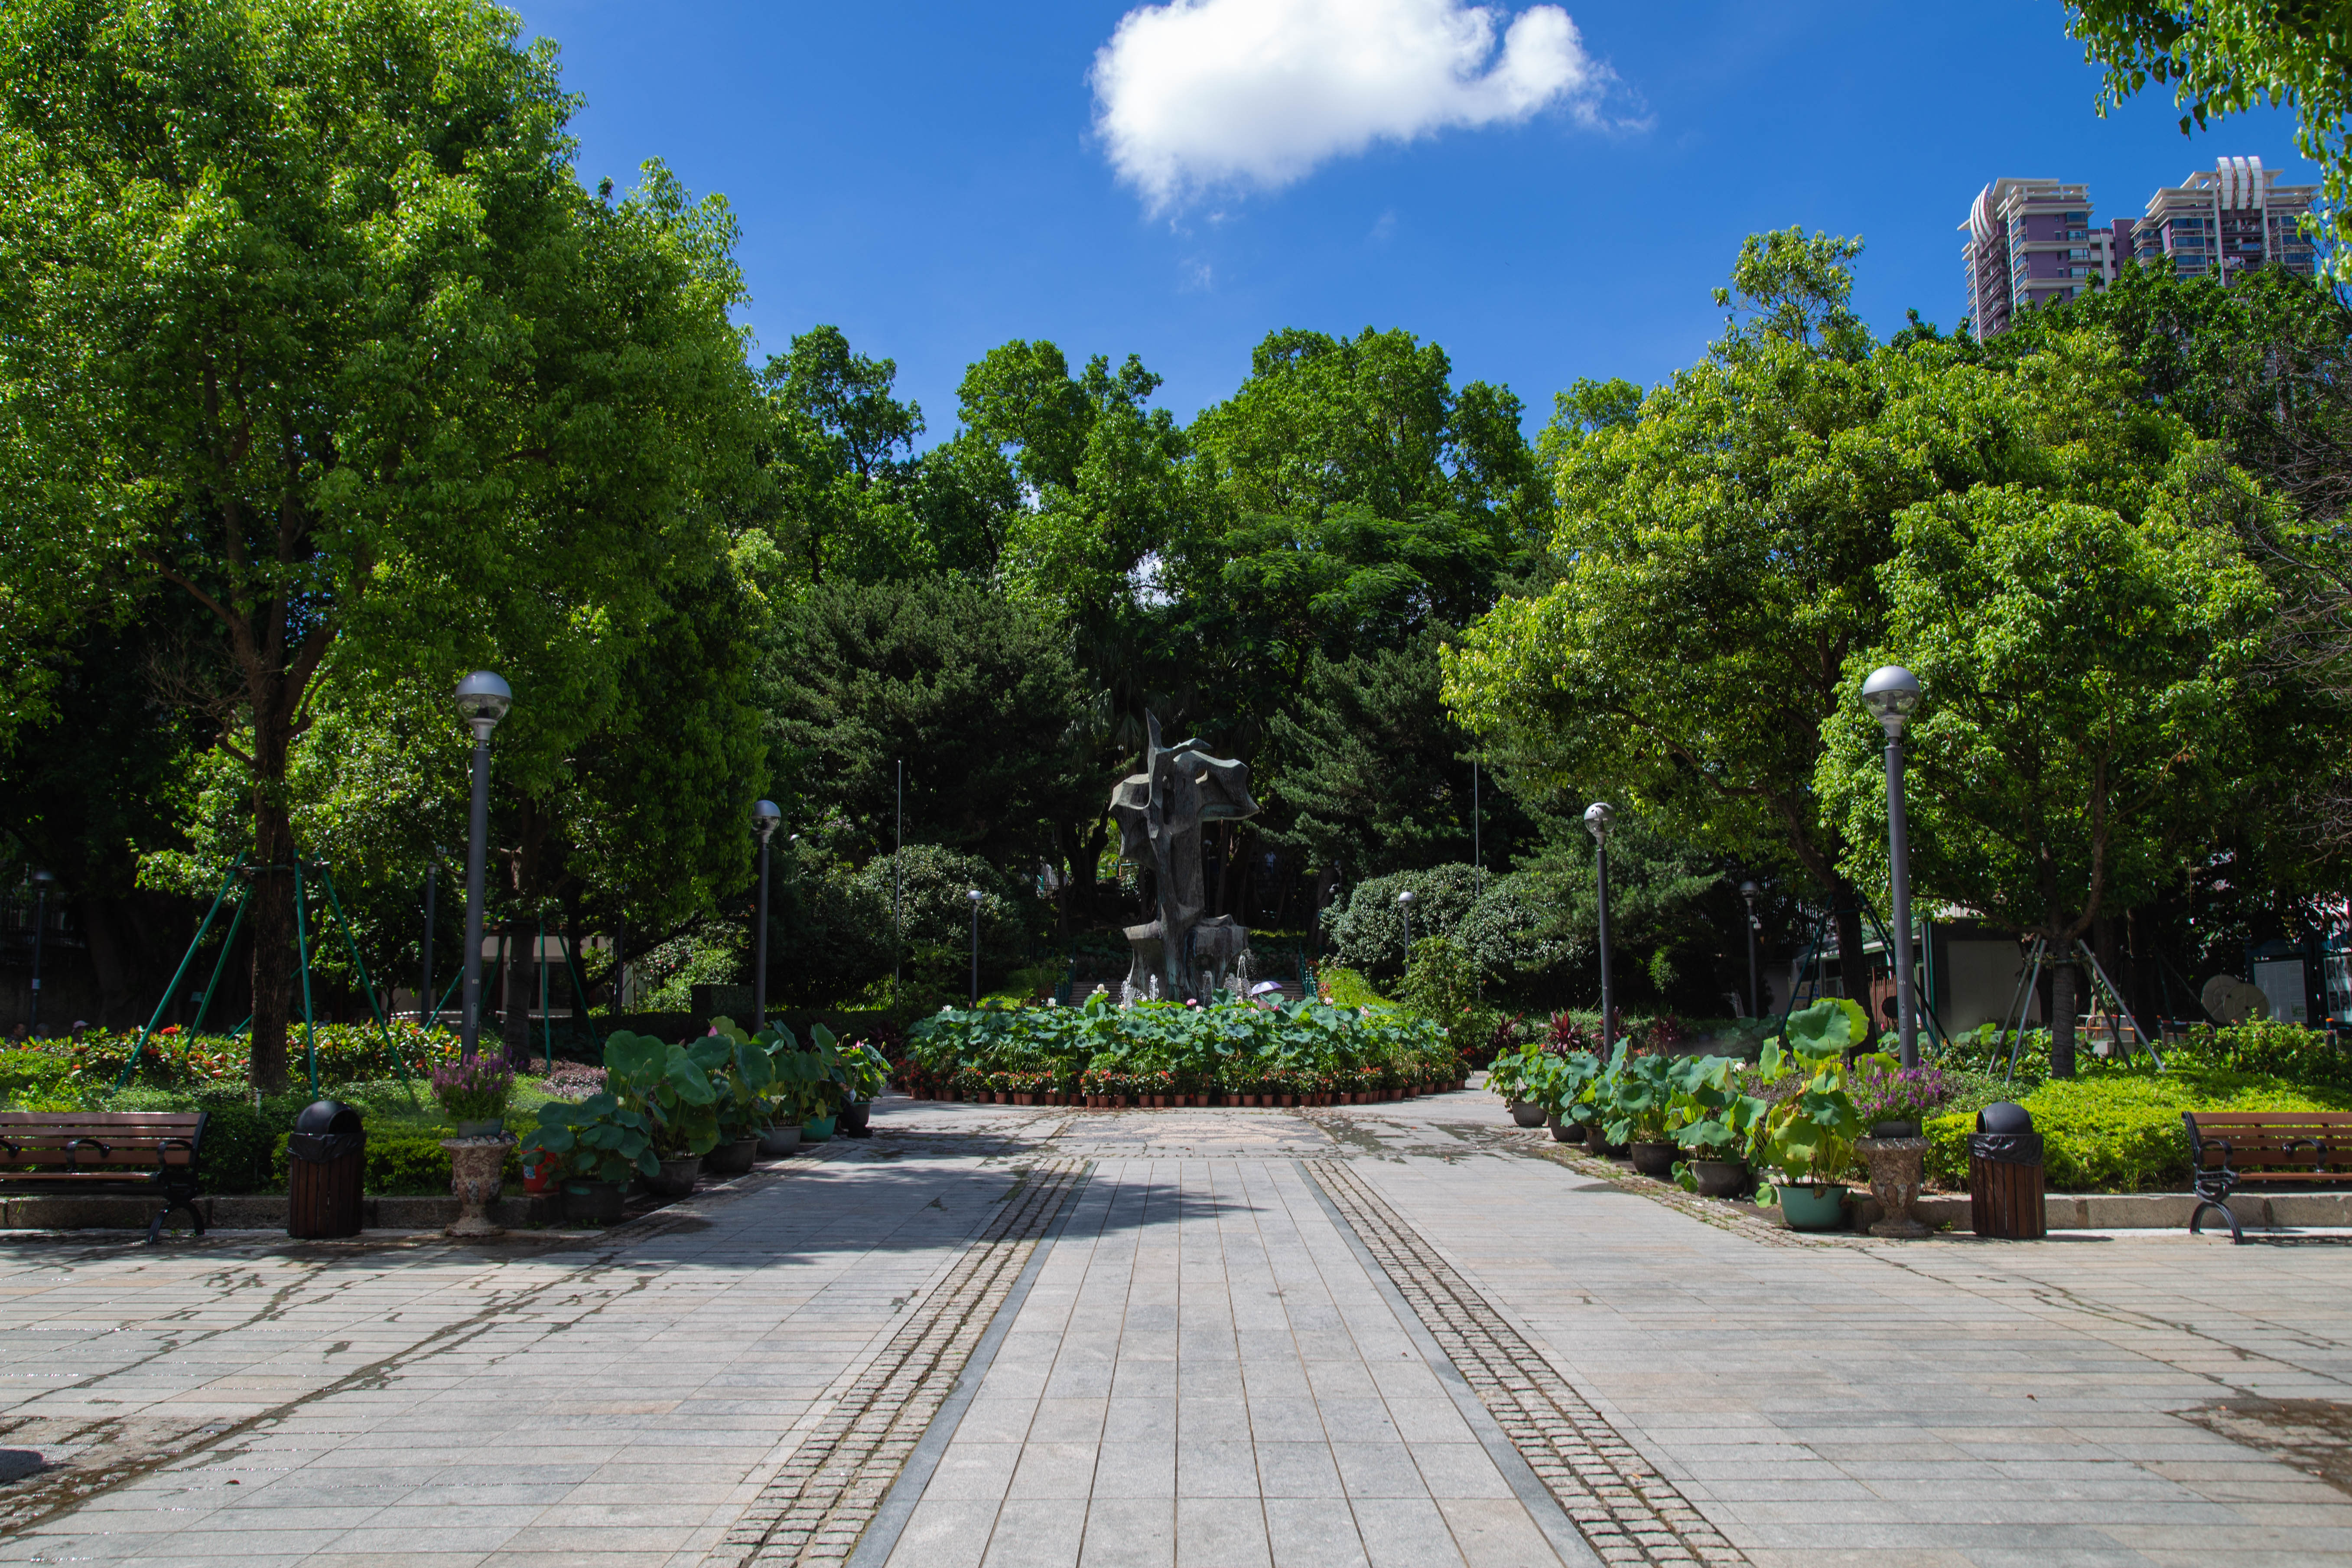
(2005, 1176)
(326, 1157)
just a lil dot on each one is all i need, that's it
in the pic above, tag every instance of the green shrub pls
(2287, 1051)
(2122, 1132)
(400, 1164)
(241, 1139)
(1343, 987)
(30, 1076)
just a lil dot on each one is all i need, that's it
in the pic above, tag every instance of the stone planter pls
(1527, 1115)
(1895, 1177)
(1720, 1178)
(474, 1167)
(1655, 1157)
(779, 1140)
(731, 1159)
(677, 1176)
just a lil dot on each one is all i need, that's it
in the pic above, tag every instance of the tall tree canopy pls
(303, 316)
(1718, 554)
(2094, 702)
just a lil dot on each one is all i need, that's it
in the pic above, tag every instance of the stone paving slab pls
(1945, 1401)
(627, 1398)
(1207, 1370)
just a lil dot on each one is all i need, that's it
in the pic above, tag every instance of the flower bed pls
(176, 1059)
(1227, 1052)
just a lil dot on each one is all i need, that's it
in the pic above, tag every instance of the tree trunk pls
(1853, 963)
(271, 921)
(2062, 1021)
(118, 1003)
(522, 994)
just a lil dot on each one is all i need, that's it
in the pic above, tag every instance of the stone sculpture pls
(1181, 956)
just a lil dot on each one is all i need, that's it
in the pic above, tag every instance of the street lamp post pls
(973, 894)
(41, 883)
(1892, 692)
(1405, 906)
(1750, 891)
(1596, 817)
(765, 819)
(482, 699)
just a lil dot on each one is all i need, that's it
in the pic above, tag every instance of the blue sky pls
(932, 177)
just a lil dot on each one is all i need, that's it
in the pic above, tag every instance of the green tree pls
(973, 693)
(1350, 497)
(1368, 772)
(357, 367)
(2092, 704)
(2222, 57)
(1717, 556)
(1105, 474)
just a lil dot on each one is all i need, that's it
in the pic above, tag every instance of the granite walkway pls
(1394, 1334)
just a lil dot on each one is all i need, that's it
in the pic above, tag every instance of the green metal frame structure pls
(238, 868)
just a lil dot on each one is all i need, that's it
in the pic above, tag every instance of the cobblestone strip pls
(827, 1493)
(1624, 1509)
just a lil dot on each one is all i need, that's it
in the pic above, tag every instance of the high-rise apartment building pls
(2033, 241)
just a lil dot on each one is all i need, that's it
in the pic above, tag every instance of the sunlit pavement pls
(1382, 1334)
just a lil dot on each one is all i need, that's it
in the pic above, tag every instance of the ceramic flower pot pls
(1567, 1131)
(1527, 1115)
(731, 1159)
(677, 1176)
(1655, 1157)
(817, 1129)
(778, 1141)
(1720, 1178)
(489, 1129)
(1813, 1208)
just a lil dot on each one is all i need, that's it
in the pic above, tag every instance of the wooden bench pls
(2293, 1149)
(106, 1150)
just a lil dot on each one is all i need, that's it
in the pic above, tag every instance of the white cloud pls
(1196, 95)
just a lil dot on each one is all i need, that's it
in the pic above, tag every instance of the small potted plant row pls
(668, 1112)
(1690, 1119)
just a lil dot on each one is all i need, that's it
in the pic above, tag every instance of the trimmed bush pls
(400, 1163)
(2121, 1132)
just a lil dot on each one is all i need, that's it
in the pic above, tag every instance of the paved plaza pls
(1406, 1334)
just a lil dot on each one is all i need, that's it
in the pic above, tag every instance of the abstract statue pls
(1179, 956)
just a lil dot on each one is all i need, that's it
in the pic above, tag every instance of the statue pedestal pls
(1216, 954)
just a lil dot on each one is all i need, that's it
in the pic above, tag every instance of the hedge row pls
(2122, 1132)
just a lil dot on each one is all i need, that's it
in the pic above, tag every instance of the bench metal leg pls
(177, 1201)
(2197, 1219)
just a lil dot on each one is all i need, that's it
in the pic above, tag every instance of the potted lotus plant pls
(1806, 1140)
(1558, 1086)
(1715, 1121)
(1640, 1109)
(673, 1084)
(1511, 1074)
